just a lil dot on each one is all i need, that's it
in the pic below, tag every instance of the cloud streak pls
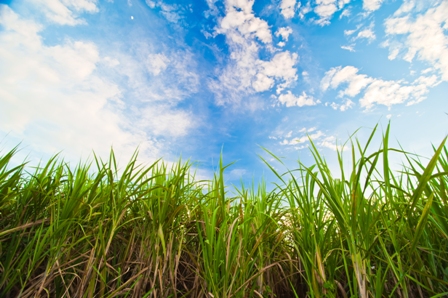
(299, 140)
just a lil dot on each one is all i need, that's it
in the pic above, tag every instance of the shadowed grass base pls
(158, 232)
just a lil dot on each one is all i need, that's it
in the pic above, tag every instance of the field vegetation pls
(156, 231)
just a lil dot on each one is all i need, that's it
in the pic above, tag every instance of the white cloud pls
(280, 67)
(345, 13)
(110, 62)
(349, 32)
(66, 97)
(301, 141)
(170, 12)
(244, 21)
(342, 3)
(236, 174)
(246, 74)
(304, 138)
(149, 75)
(291, 100)
(304, 10)
(306, 77)
(287, 8)
(349, 48)
(366, 33)
(386, 93)
(156, 63)
(393, 53)
(66, 12)
(311, 129)
(348, 104)
(427, 70)
(349, 74)
(307, 130)
(163, 120)
(284, 32)
(377, 91)
(262, 82)
(330, 143)
(64, 101)
(18, 31)
(151, 4)
(371, 5)
(213, 10)
(334, 105)
(425, 35)
(79, 58)
(325, 9)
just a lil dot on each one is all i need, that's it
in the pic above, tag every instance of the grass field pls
(158, 232)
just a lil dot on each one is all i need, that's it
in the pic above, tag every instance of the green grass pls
(156, 231)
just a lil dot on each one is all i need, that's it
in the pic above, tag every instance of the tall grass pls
(366, 231)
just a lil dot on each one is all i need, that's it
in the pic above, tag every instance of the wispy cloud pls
(377, 91)
(300, 139)
(421, 36)
(156, 63)
(64, 101)
(66, 12)
(330, 142)
(164, 121)
(349, 48)
(372, 5)
(362, 33)
(289, 140)
(347, 104)
(172, 13)
(325, 9)
(367, 34)
(73, 94)
(345, 13)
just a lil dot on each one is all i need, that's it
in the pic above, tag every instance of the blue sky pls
(194, 78)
